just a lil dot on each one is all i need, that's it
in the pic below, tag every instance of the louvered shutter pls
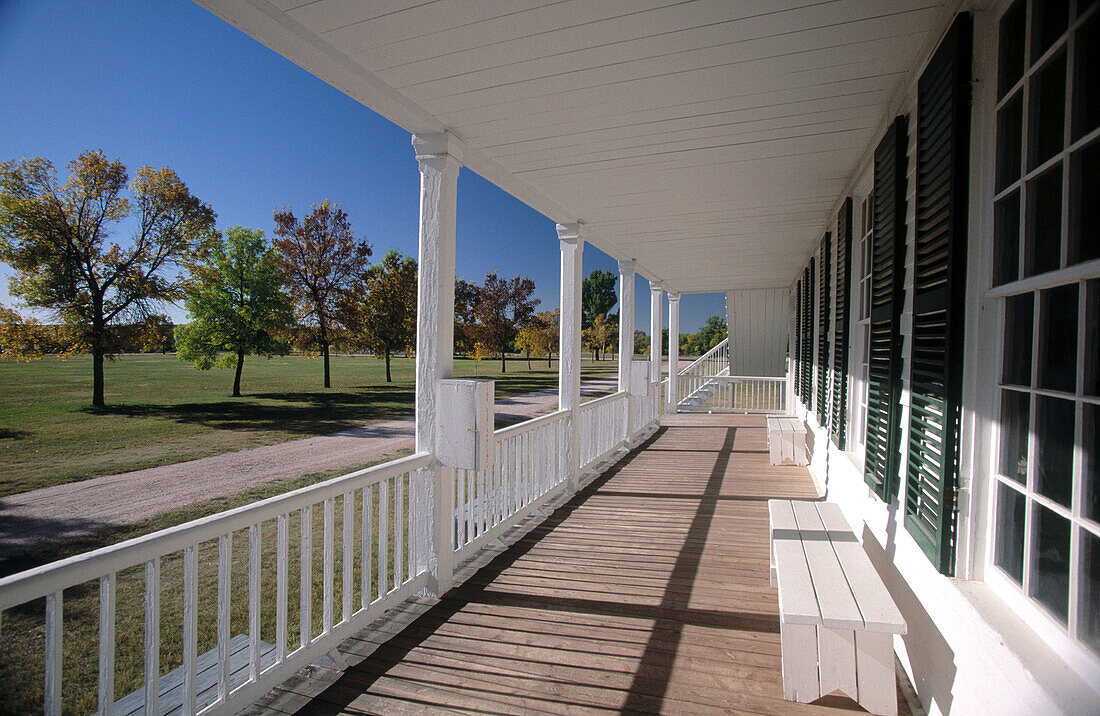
(808, 335)
(887, 267)
(943, 139)
(823, 333)
(840, 339)
(798, 340)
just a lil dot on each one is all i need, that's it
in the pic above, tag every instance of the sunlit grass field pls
(161, 410)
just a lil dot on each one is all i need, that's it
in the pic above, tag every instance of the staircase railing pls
(713, 362)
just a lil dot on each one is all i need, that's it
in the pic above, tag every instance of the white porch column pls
(434, 490)
(569, 351)
(655, 332)
(626, 322)
(673, 350)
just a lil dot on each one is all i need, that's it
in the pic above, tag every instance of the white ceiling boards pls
(707, 139)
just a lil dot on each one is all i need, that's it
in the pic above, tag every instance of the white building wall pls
(757, 320)
(969, 648)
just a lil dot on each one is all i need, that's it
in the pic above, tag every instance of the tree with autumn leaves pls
(322, 260)
(57, 238)
(379, 313)
(501, 308)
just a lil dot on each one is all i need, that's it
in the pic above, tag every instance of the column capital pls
(655, 287)
(441, 145)
(674, 296)
(627, 265)
(569, 233)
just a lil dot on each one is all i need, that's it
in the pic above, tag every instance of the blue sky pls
(166, 83)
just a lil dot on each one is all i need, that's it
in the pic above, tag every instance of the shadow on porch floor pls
(646, 592)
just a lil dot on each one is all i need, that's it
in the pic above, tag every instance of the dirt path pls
(63, 511)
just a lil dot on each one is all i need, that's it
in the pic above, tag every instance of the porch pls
(647, 590)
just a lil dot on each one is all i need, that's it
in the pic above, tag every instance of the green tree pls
(597, 296)
(21, 339)
(380, 313)
(641, 342)
(323, 260)
(236, 301)
(503, 307)
(56, 237)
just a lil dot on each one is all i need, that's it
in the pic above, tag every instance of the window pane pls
(1009, 548)
(1010, 135)
(1058, 338)
(1043, 246)
(1015, 412)
(1090, 458)
(1011, 48)
(1086, 95)
(1047, 115)
(1084, 225)
(1049, 20)
(1054, 448)
(1092, 339)
(1006, 233)
(1088, 618)
(1050, 561)
(1019, 315)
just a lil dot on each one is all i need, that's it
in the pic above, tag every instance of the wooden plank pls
(800, 674)
(872, 598)
(875, 672)
(797, 599)
(834, 596)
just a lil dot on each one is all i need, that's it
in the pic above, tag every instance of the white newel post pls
(655, 337)
(673, 350)
(626, 336)
(569, 352)
(436, 154)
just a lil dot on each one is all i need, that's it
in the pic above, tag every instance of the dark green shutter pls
(887, 268)
(939, 280)
(840, 341)
(808, 335)
(823, 333)
(798, 340)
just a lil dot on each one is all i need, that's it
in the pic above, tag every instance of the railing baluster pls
(107, 585)
(305, 610)
(349, 517)
(281, 596)
(55, 628)
(399, 516)
(365, 596)
(152, 635)
(190, 627)
(383, 536)
(253, 602)
(225, 574)
(328, 538)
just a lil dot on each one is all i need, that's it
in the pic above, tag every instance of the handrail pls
(604, 399)
(511, 430)
(706, 356)
(49, 578)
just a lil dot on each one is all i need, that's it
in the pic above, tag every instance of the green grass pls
(22, 643)
(161, 410)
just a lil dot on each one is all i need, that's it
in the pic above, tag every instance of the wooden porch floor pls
(646, 592)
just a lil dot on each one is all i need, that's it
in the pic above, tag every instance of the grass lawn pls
(160, 410)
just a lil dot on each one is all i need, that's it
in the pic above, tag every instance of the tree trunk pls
(324, 341)
(528, 360)
(503, 354)
(387, 354)
(97, 377)
(549, 357)
(237, 377)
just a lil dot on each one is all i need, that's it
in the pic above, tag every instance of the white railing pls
(381, 512)
(373, 527)
(602, 427)
(716, 361)
(733, 394)
(528, 469)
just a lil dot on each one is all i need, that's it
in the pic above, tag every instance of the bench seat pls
(786, 440)
(837, 619)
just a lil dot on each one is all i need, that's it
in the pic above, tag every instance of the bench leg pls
(877, 684)
(837, 661)
(798, 643)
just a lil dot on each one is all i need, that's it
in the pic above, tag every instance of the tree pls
(322, 259)
(599, 334)
(549, 323)
(236, 301)
(503, 306)
(481, 352)
(641, 342)
(55, 237)
(157, 334)
(597, 298)
(21, 339)
(380, 313)
(466, 293)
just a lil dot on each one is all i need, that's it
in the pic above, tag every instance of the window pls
(839, 371)
(1046, 461)
(862, 342)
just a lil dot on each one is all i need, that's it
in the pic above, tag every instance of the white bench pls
(786, 440)
(836, 618)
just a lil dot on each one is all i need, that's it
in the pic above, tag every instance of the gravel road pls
(63, 511)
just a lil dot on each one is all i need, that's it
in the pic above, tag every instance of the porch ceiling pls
(708, 139)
